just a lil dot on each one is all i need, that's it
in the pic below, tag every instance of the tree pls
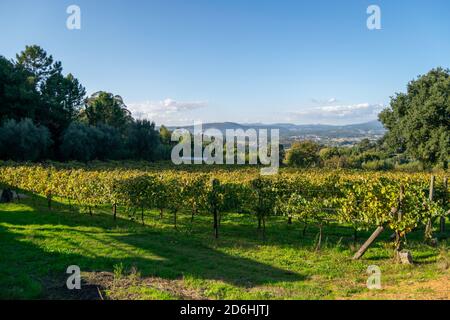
(24, 141)
(165, 134)
(60, 97)
(77, 143)
(39, 64)
(281, 153)
(364, 145)
(418, 121)
(18, 97)
(108, 143)
(329, 153)
(106, 108)
(303, 154)
(143, 141)
(84, 143)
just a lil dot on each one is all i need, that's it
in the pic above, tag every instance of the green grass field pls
(124, 260)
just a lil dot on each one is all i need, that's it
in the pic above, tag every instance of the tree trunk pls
(216, 226)
(194, 212)
(264, 227)
(355, 235)
(442, 225)
(398, 238)
(161, 213)
(49, 202)
(319, 240)
(304, 229)
(142, 215)
(114, 209)
(289, 220)
(17, 195)
(442, 222)
(397, 247)
(175, 219)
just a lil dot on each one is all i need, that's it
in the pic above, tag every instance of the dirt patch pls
(104, 285)
(56, 289)
(436, 289)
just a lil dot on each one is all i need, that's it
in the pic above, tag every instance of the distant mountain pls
(374, 128)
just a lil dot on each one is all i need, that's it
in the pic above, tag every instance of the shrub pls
(108, 143)
(78, 142)
(413, 166)
(303, 154)
(84, 143)
(329, 153)
(378, 165)
(143, 141)
(336, 162)
(24, 141)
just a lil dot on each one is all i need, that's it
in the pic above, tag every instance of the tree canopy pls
(57, 98)
(106, 108)
(18, 97)
(418, 121)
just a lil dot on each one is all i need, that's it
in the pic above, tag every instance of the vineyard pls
(401, 202)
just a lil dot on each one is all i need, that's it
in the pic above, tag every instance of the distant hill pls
(372, 128)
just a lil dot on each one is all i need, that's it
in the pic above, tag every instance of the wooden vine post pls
(398, 212)
(429, 226)
(442, 224)
(368, 242)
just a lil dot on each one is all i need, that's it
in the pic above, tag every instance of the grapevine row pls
(399, 201)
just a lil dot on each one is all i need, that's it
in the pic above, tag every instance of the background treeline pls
(45, 114)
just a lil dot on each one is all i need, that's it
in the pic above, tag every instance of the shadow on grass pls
(30, 258)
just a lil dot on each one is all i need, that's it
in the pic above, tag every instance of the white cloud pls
(338, 114)
(176, 106)
(332, 100)
(322, 101)
(167, 112)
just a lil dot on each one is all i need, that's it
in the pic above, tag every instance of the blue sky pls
(176, 61)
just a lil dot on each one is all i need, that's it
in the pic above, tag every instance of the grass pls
(124, 260)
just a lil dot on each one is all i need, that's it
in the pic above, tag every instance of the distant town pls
(329, 135)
